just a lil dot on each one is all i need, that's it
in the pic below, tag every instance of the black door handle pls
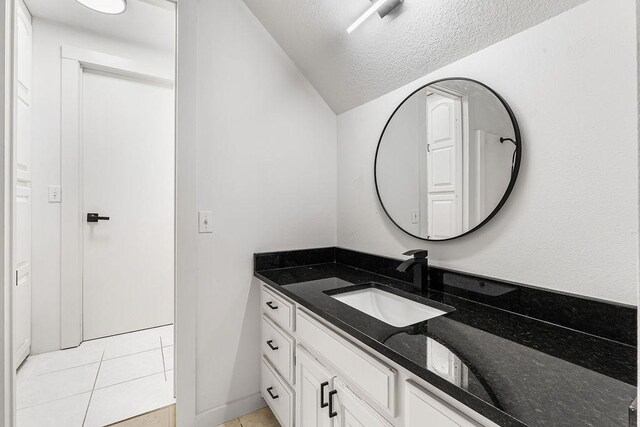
(270, 344)
(94, 217)
(323, 404)
(331, 411)
(271, 306)
(271, 394)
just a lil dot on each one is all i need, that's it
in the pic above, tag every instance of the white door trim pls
(186, 217)
(7, 127)
(186, 211)
(74, 61)
(114, 64)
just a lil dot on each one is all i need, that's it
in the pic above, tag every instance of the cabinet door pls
(313, 383)
(352, 411)
(424, 409)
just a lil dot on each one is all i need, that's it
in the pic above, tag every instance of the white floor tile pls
(58, 360)
(168, 357)
(39, 389)
(166, 332)
(135, 342)
(129, 399)
(67, 412)
(127, 368)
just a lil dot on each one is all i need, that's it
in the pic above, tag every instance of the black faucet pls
(420, 266)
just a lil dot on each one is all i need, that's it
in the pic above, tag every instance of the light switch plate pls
(55, 194)
(204, 222)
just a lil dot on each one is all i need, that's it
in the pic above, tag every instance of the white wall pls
(399, 160)
(48, 37)
(267, 169)
(571, 223)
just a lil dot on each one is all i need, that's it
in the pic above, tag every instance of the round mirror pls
(447, 159)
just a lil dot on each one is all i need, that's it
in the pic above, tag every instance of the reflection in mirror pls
(446, 364)
(441, 359)
(447, 159)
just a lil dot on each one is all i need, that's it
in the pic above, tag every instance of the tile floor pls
(260, 418)
(98, 383)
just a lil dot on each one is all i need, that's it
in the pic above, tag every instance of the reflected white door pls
(22, 200)
(128, 176)
(444, 166)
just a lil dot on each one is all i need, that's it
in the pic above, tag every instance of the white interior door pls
(22, 202)
(128, 176)
(444, 166)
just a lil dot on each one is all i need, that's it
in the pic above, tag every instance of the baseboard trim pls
(230, 410)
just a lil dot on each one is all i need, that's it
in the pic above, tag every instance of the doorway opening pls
(94, 212)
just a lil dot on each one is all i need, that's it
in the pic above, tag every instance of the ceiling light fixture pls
(110, 7)
(383, 7)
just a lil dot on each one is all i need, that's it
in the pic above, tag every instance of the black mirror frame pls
(514, 174)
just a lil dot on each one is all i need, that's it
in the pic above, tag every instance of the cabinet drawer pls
(375, 379)
(279, 348)
(278, 309)
(277, 394)
(424, 409)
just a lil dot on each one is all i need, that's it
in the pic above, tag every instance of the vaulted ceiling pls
(381, 55)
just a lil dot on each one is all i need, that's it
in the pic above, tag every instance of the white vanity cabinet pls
(352, 411)
(277, 394)
(314, 376)
(278, 355)
(325, 401)
(314, 382)
(423, 410)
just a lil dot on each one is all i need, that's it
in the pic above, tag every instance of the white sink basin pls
(390, 308)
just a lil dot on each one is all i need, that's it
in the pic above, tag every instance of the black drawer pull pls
(332, 413)
(271, 306)
(270, 344)
(323, 404)
(273, 396)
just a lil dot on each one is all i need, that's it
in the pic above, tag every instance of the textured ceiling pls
(418, 37)
(149, 23)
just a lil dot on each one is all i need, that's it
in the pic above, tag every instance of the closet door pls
(22, 189)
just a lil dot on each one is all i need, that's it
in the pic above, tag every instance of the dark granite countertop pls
(513, 369)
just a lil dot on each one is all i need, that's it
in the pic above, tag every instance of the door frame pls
(463, 175)
(74, 62)
(186, 224)
(466, 182)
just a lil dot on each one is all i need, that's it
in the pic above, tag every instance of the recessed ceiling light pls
(110, 7)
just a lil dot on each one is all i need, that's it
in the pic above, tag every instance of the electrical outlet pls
(55, 194)
(205, 219)
(415, 216)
